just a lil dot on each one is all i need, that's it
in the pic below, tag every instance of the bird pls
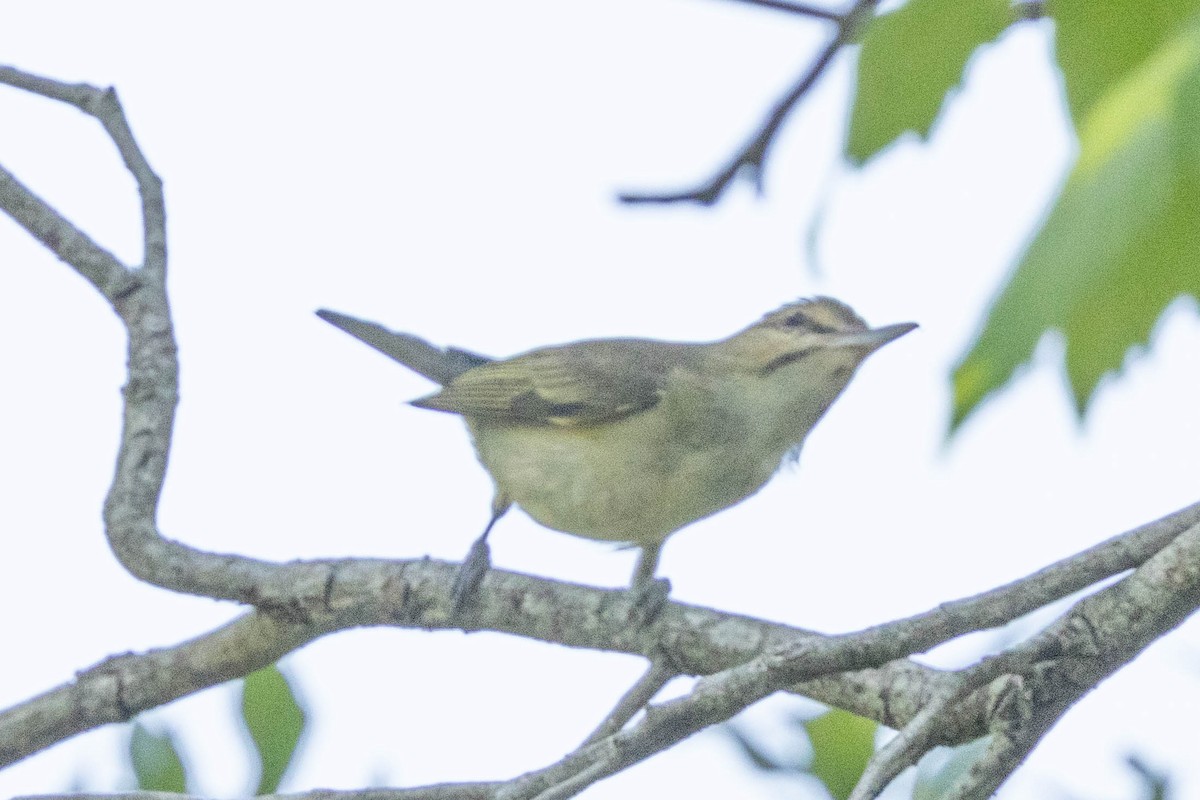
(629, 440)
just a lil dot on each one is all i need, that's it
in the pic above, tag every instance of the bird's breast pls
(638, 479)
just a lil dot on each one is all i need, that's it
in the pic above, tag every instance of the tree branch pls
(100, 267)
(803, 9)
(1041, 678)
(696, 641)
(103, 105)
(1102, 633)
(1030, 9)
(302, 601)
(657, 675)
(745, 659)
(151, 393)
(751, 159)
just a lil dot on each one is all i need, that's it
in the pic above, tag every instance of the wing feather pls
(585, 383)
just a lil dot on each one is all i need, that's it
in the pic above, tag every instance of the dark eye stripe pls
(808, 323)
(788, 358)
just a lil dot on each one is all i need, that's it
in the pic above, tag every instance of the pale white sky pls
(450, 169)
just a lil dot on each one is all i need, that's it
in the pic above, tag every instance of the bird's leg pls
(649, 593)
(478, 560)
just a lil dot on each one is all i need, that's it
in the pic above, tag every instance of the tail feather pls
(441, 366)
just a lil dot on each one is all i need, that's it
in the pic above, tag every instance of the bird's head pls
(818, 335)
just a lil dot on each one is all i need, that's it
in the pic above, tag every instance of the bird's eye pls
(795, 321)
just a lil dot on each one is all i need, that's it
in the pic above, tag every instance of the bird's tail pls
(413, 352)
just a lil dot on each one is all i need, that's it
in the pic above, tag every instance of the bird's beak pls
(876, 337)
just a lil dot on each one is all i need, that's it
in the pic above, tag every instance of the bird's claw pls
(470, 575)
(649, 599)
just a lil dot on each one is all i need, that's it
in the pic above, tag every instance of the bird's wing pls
(413, 352)
(580, 384)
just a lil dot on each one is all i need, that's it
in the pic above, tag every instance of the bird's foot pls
(470, 574)
(649, 599)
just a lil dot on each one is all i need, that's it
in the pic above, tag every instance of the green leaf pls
(156, 761)
(1099, 44)
(275, 722)
(1120, 244)
(842, 744)
(911, 59)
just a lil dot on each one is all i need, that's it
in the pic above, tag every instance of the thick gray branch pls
(299, 602)
(358, 593)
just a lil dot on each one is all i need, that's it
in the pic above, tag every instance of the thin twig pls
(712, 700)
(751, 159)
(103, 105)
(75, 94)
(100, 267)
(904, 750)
(657, 675)
(1030, 10)
(802, 9)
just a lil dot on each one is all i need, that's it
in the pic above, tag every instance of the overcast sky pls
(451, 170)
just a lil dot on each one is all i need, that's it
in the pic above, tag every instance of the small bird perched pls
(630, 440)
